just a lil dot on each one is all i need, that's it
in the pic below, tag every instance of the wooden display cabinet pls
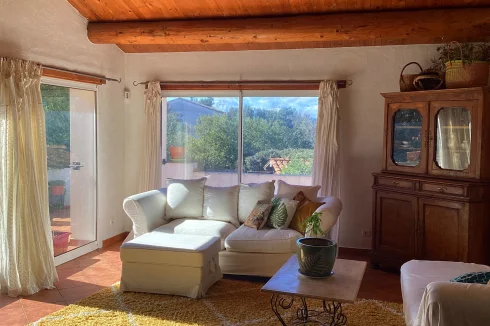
(432, 199)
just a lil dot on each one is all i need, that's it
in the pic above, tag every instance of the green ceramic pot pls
(316, 256)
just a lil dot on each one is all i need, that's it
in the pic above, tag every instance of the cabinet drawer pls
(442, 188)
(393, 182)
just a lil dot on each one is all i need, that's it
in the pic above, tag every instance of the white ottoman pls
(178, 264)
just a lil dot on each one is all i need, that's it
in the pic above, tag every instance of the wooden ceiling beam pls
(396, 27)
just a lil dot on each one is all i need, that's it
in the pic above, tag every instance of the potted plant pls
(316, 255)
(466, 65)
(57, 187)
(177, 146)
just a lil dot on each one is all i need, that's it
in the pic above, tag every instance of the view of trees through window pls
(278, 136)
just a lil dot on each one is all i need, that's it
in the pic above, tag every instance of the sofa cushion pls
(417, 274)
(302, 213)
(171, 249)
(221, 204)
(286, 190)
(198, 227)
(252, 193)
(282, 212)
(265, 240)
(185, 198)
(258, 216)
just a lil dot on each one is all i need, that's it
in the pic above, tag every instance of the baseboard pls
(115, 239)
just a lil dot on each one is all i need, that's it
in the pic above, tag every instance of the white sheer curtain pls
(26, 246)
(326, 171)
(152, 151)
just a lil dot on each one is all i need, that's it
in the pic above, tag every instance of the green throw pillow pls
(282, 212)
(473, 277)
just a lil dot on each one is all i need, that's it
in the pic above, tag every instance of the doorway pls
(70, 114)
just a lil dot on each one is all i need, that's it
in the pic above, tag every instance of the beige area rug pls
(228, 302)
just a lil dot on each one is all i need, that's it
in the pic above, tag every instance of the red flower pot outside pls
(57, 190)
(177, 152)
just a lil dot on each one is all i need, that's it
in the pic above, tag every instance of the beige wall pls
(372, 69)
(54, 33)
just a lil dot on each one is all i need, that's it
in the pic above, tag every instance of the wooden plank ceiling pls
(196, 13)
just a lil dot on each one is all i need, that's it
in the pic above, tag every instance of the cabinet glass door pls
(407, 126)
(453, 145)
(452, 138)
(407, 136)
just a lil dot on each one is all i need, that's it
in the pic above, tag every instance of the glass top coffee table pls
(342, 287)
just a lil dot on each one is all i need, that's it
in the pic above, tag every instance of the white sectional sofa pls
(429, 299)
(245, 251)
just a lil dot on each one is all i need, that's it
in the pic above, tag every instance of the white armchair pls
(445, 303)
(429, 299)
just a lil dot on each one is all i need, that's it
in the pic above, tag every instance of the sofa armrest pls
(146, 211)
(454, 304)
(330, 212)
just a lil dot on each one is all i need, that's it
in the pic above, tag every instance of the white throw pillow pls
(221, 204)
(252, 193)
(286, 190)
(185, 198)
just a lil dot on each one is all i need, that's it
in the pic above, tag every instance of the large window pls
(239, 139)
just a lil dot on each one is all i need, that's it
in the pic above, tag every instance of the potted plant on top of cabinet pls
(466, 65)
(316, 255)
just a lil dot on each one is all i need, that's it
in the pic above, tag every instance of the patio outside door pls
(71, 148)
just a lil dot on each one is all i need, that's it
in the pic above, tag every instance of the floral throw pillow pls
(258, 216)
(282, 212)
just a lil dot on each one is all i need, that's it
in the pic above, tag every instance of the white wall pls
(372, 69)
(53, 33)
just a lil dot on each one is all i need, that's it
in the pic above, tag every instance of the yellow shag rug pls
(228, 302)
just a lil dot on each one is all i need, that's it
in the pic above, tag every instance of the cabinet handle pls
(441, 189)
(395, 183)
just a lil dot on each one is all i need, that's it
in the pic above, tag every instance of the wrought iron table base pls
(330, 315)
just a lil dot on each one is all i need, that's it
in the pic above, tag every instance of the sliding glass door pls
(71, 152)
(247, 138)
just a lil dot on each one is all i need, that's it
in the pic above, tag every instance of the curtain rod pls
(81, 73)
(341, 83)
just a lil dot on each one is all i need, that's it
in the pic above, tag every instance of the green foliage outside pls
(176, 130)
(299, 167)
(56, 103)
(285, 132)
(215, 146)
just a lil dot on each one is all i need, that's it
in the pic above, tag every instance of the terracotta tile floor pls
(78, 279)
(88, 274)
